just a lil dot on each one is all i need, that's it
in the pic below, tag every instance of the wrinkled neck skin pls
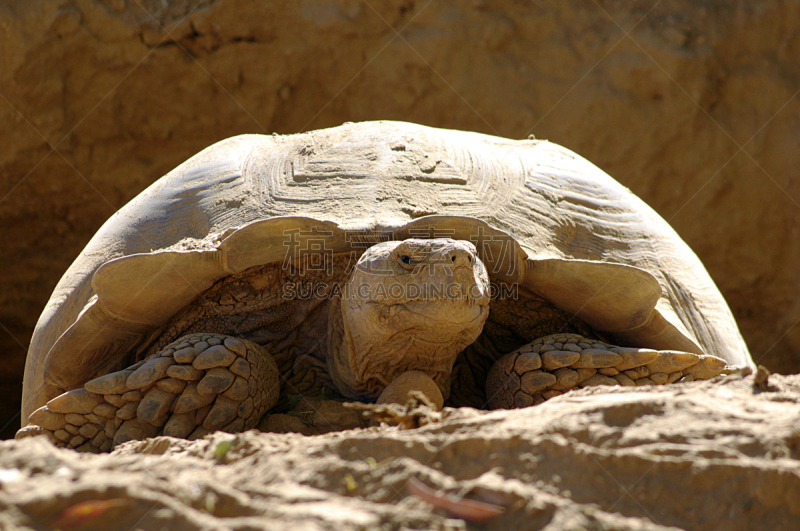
(409, 305)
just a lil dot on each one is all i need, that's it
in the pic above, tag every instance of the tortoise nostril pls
(461, 259)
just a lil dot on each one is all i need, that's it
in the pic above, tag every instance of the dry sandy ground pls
(703, 455)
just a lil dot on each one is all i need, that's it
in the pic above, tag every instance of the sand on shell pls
(722, 454)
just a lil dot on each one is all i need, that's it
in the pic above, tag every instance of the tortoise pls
(361, 262)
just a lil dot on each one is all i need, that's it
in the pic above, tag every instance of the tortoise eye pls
(406, 260)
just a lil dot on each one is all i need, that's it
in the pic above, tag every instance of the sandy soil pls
(705, 455)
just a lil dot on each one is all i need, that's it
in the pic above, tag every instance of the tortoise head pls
(409, 305)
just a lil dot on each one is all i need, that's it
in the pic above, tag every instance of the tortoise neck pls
(340, 350)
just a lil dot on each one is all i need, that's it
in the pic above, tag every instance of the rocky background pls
(693, 105)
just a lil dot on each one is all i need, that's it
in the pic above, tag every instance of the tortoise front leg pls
(197, 384)
(399, 391)
(555, 364)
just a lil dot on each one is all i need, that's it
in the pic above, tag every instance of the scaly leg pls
(555, 364)
(197, 384)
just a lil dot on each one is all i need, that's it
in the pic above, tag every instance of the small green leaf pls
(222, 449)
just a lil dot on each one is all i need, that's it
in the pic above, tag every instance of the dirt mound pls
(704, 455)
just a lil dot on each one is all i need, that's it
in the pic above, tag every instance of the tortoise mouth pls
(432, 313)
